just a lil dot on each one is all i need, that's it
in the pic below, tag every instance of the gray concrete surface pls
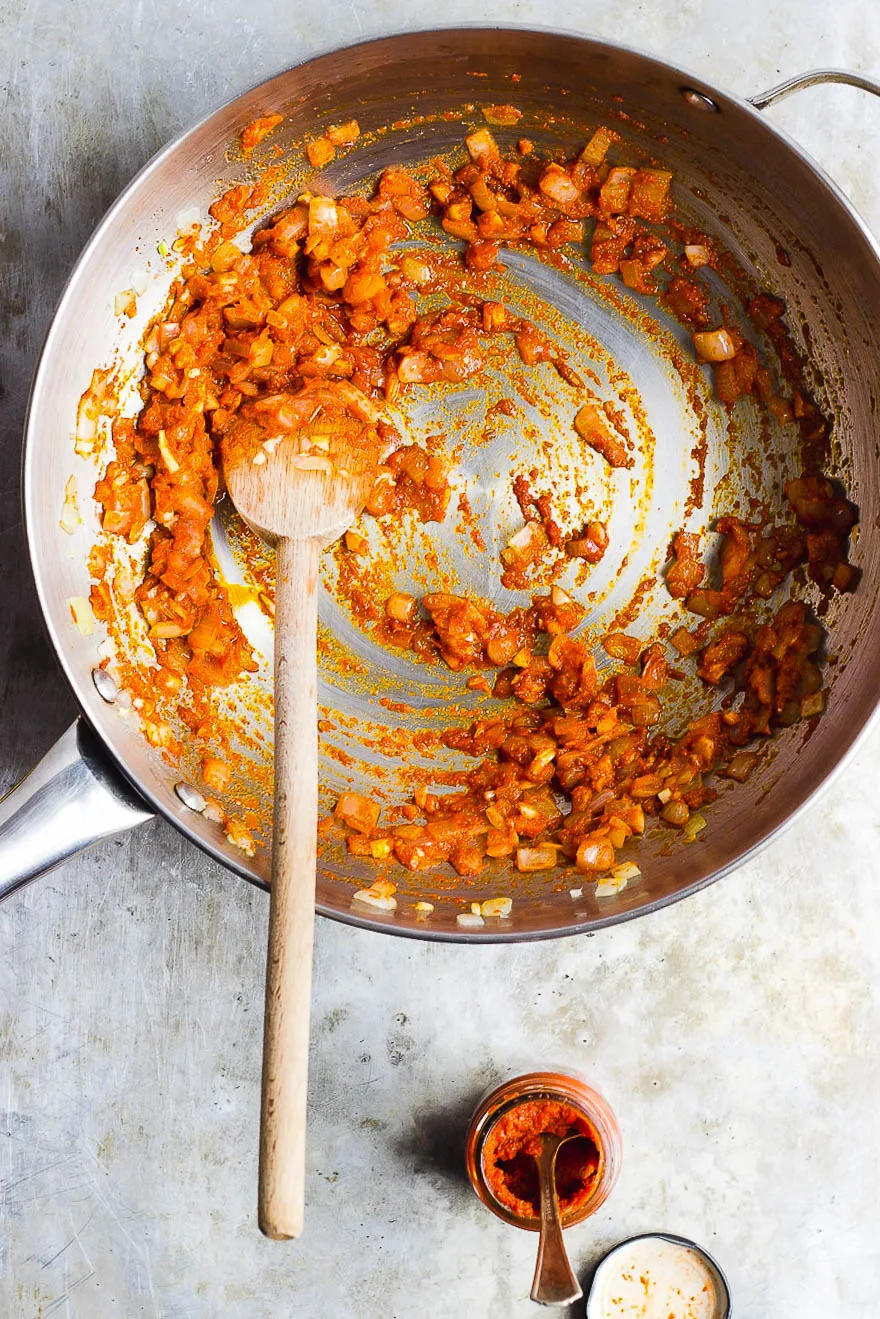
(735, 1034)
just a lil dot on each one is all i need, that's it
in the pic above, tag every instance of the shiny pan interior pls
(415, 96)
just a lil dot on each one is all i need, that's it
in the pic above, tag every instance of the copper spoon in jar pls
(554, 1282)
(299, 492)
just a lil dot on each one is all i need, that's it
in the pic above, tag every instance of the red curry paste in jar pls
(505, 1137)
(514, 1143)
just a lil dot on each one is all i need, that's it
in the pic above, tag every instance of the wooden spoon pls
(554, 1282)
(299, 493)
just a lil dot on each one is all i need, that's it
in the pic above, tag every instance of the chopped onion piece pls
(593, 426)
(400, 606)
(158, 733)
(576, 893)
(167, 456)
(482, 147)
(697, 255)
(500, 907)
(323, 217)
(468, 918)
(695, 825)
(356, 543)
(342, 135)
(741, 766)
(240, 837)
(415, 268)
(557, 185)
(424, 908)
(216, 773)
(595, 854)
(125, 303)
(525, 545)
(813, 704)
(70, 518)
(597, 148)
(374, 897)
(357, 811)
(544, 757)
(714, 345)
(81, 612)
(541, 857)
(320, 152)
(625, 870)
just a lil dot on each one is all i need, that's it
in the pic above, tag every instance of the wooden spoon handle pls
(292, 898)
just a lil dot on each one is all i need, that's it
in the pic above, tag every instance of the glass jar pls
(562, 1088)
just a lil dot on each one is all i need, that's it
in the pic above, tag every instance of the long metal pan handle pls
(73, 798)
(811, 79)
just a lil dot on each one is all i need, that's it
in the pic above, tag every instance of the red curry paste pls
(514, 1143)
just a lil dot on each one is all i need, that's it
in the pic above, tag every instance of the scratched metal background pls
(735, 1035)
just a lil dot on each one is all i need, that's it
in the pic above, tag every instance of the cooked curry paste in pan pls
(341, 307)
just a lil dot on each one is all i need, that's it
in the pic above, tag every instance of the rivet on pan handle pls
(73, 798)
(811, 79)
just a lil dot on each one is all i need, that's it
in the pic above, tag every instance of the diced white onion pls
(370, 898)
(496, 907)
(168, 457)
(82, 615)
(714, 345)
(695, 825)
(625, 870)
(70, 518)
(697, 255)
(609, 885)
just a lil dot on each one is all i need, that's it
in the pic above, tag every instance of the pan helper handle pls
(70, 800)
(812, 78)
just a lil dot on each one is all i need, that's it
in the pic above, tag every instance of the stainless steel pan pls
(739, 176)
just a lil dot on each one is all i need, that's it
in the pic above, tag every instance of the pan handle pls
(71, 799)
(811, 79)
